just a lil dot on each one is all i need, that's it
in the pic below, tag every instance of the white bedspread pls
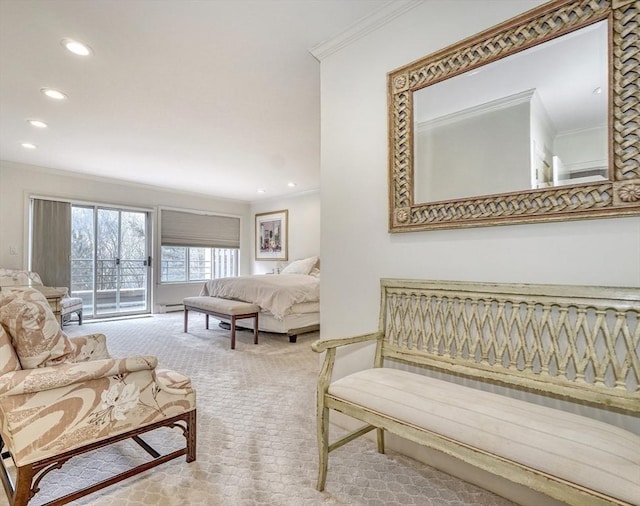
(275, 293)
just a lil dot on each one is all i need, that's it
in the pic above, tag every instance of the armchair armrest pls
(89, 347)
(64, 289)
(28, 381)
(322, 345)
(48, 411)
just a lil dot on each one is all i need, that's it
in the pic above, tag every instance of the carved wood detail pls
(582, 341)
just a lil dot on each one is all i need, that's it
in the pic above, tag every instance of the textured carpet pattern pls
(256, 432)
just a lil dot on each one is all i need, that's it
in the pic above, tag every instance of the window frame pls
(187, 265)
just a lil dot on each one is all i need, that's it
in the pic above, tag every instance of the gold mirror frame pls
(617, 196)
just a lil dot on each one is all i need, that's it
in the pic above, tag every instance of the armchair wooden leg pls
(191, 436)
(24, 478)
(28, 477)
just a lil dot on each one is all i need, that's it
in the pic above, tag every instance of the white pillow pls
(303, 266)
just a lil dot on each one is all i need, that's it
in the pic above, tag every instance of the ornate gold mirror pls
(536, 119)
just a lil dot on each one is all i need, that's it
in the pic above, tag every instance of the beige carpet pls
(256, 432)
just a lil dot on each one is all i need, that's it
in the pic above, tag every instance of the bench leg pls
(233, 332)
(380, 440)
(323, 446)
(255, 329)
(186, 319)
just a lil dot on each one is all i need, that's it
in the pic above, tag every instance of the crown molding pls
(477, 110)
(362, 27)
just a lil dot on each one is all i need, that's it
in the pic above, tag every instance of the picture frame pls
(272, 235)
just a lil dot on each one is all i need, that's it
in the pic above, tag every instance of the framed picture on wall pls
(272, 239)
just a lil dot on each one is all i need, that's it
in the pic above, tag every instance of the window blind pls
(199, 230)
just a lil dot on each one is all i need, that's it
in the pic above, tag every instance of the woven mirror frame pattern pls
(617, 196)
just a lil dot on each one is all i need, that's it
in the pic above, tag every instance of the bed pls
(289, 302)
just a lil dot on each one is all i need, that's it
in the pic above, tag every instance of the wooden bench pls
(222, 308)
(465, 341)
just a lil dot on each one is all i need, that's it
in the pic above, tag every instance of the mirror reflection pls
(534, 119)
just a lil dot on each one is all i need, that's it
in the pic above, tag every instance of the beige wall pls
(18, 182)
(502, 136)
(357, 249)
(304, 227)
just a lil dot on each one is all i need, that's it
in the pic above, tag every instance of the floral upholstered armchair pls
(61, 396)
(16, 277)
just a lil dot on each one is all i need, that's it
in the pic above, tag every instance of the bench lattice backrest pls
(580, 342)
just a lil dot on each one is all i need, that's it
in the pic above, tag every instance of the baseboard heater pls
(170, 308)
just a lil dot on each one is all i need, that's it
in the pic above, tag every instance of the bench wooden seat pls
(576, 343)
(222, 308)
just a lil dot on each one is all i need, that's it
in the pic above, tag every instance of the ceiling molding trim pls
(366, 25)
(477, 110)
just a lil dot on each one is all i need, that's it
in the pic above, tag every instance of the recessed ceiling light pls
(28, 145)
(37, 123)
(76, 47)
(262, 190)
(55, 94)
(291, 185)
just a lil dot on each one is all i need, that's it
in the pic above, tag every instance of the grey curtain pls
(51, 242)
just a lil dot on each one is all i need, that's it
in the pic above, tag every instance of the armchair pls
(68, 305)
(61, 397)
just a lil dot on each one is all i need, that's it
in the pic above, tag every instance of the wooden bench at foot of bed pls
(292, 334)
(222, 308)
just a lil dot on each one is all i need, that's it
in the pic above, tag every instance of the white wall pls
(304, 228)
(582, 149)
(476, 155)
(542, 135)
(18, 182)
(357, 249)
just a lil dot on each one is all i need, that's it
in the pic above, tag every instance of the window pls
(110, 267)
(197, 247)
(180, 264)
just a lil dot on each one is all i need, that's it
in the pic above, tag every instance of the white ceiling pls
(219, 97)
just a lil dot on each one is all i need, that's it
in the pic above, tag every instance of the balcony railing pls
(223, 264)
(110, 276)
(119, 288)
(123, 287)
